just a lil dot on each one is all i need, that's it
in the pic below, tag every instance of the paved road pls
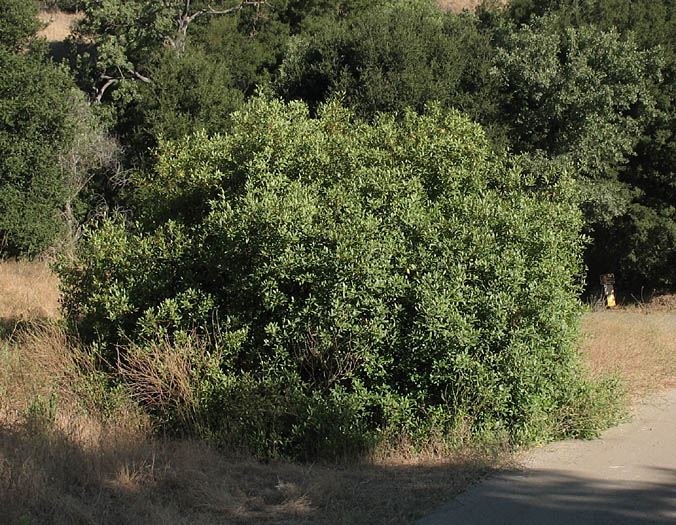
(627, 477)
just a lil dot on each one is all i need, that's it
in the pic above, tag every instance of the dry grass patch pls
(59, 24)
(28, 290)
(637, 342)
(59, 428)
(459, 5)
(54, 478)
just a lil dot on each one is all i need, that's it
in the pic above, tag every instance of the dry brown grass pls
(639, 342)
(57, 427)
(59, 24)
(27, 291)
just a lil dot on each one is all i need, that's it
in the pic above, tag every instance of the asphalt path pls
(626, 477)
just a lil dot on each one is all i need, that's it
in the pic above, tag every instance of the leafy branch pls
(122, 35)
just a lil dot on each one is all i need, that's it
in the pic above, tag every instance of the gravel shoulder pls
(627, 476)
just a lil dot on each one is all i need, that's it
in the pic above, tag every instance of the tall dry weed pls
(165, 376)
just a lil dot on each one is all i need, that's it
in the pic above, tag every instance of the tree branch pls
(112, 80)
(140, 76)
(109, 82)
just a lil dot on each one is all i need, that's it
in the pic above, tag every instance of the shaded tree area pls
(35, 109)
(52, 147)
(175, 67)
(18, 24)
(393, 57)
(639, 242)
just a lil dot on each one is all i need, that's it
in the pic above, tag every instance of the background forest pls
(583, 85)
(340, 222)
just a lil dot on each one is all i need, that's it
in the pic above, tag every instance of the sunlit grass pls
(459, 5)
(639, 343)
(28, 291)
(58, 24)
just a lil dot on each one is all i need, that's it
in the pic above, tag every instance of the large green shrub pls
(352, 280)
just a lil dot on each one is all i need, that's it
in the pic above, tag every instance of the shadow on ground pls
(48, 475)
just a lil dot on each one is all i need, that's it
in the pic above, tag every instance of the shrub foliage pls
(352, 279)
(18, 24)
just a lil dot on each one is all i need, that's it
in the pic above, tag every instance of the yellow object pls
(611, 300)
